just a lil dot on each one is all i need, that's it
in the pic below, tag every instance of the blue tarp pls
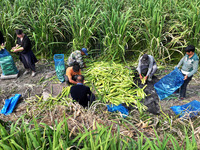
(120, 108)
(192, 109)
(169, 83)
(10, 104)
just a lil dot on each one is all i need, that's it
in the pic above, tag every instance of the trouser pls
(67, 79)
(74, 62)
(183, 88)
(145, 70)
(91, 98)
(70, 63)
(28, 60)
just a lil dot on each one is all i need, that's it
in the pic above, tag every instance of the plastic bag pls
(8, 66)
(169, 83)
(10, 104)
(120, 108)
(4, 52)
(188, 110)
(60, 66)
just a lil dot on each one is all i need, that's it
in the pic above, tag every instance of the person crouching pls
(71, 74)
(82, 93)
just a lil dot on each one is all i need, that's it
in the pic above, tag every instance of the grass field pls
(115, 32)
(113, 27)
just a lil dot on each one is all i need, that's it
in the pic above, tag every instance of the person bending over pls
(26, 56)
(146, 66)
(71, 74)
(82, 93)
(77, 56)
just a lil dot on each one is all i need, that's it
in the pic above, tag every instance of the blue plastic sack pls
(169, 83)
(60, 66)
(120, 108)
(4, 52)
(192, 109)
(10, 104)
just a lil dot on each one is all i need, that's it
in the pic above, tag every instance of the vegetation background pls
(112, 29)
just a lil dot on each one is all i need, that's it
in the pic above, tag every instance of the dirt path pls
(28, 87)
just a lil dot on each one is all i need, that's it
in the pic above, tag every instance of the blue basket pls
(60, 66)
(59, 59)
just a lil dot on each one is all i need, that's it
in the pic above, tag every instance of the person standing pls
(1, 39)
(146, 66)
(81, 93)
(77, 56)
(23, 46)
(189, 67)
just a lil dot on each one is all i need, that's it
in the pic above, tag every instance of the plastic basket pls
(60, 66)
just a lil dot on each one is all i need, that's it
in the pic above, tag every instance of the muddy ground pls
(44, 83)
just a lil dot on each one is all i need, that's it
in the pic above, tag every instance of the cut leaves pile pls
(115, 84)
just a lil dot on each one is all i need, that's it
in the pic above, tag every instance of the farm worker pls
(26, 56)
(81, 93)
(189, 67)
(77, 56)
(1, 39)
(72, 72)
(146, 66)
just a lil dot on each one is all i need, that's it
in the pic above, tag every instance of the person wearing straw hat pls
(146, 66)
(189, 67)
(77, 56)
(26, 56)
(81, 93)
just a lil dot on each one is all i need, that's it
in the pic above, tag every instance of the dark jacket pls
(26, 56)
(81, 94)
(1, 38)
(25, 43)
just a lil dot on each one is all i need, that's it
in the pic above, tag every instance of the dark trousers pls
(183, 88)
(28, 60)
(91, 98)
(144, 70)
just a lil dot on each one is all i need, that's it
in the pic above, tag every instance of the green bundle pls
(2, 47)
(115, 83)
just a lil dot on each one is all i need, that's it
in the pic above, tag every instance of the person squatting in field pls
(71, 73)
(147, 67)
(26, 56)
(77, 56)
(81, 93)
(189, 67)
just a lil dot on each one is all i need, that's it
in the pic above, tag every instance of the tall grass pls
(22, 135)
(116, 29)
(44, 25)
(80, 20)
(113, 27)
